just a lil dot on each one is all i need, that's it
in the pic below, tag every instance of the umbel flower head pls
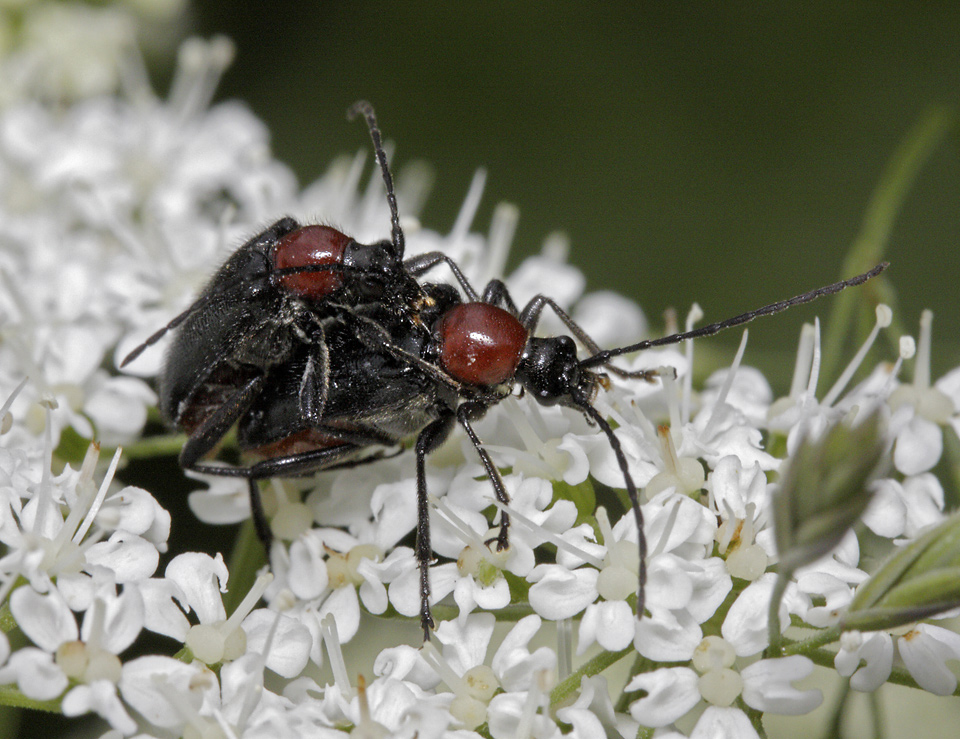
(737, 488)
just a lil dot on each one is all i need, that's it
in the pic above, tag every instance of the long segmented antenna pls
(362, 107)
(157, 335)
(601, 358)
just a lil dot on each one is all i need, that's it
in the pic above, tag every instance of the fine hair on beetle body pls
(325, 353)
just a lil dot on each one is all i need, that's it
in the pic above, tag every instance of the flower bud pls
(824, 490)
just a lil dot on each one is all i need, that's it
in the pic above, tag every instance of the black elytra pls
(326, 353)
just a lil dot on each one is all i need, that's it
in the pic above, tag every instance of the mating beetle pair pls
(323, 351)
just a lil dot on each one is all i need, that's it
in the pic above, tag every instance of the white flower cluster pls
(116, 210)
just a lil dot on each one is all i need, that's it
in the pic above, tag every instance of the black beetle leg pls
(428, 440)
(467, 412)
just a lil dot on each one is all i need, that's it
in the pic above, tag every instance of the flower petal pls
(671, 693)
(767, 686)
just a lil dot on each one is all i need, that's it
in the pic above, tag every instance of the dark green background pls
(720, 153)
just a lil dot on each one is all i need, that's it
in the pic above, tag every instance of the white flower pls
(334, 572)
(88, 657)
(745, 626)
(765, 685)
(739, 497)
(768, 686)
(919, 410)
(723, 723)
(167, 692)
(592, 714)
(43, 545)
(477, 577)
(196, 582)
(462, 665)
(904, 509)
(865, 658)
(831, 580)
(925, 651)
(671, 693)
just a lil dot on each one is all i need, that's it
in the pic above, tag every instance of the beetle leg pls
(466, 413)
(496, 293)
(205, 437)
(428, 440)
(315, 460)
(421, 263)
(315, 383)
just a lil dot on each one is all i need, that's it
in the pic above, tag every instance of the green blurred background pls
(723, 153)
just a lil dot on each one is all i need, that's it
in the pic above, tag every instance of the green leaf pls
(933, 547)
(870, 245)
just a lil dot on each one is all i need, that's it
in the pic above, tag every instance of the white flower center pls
(718, 683)
(86, 663)
(212, 643)
(735, 538)
(470, 712)
(482, 561)
(342, 569)
(481, 682)
(684, 474)
(618, 578)
(291, 520)
(473, 690)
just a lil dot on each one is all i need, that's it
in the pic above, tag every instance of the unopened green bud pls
(920, 580)
(824, 490)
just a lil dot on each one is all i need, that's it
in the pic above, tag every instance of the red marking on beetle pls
(307, 440)
(307, 247)
(480, 343)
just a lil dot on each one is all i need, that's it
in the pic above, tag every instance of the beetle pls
(269, 305)
(294, 269)
(323, 355)
(484, 348)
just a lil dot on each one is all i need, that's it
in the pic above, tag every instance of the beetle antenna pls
(584, 405)
(362, 107)
(601, 358)
(155, 337)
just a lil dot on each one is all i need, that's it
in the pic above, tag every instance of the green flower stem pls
(640, 664)
(876, 711)
(155, 446)
(836, 715)
(869, 246)
(511, 613)
(7, 622)
(773, 618)
(756, 718)
(645, 732)
(951, 449)
(598, 664)
(807, 646)
(246, 559)
(10, 696)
